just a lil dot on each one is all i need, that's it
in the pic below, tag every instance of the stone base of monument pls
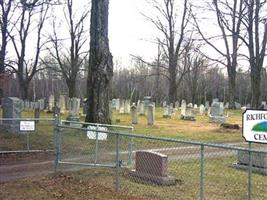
(259, 162)
(167, 116)
(148, 178)
(187, 117)
(217, 119)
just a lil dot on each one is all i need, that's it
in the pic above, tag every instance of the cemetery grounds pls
(31, 176)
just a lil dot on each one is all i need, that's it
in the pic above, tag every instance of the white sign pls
(27, 126)
(92, 134)
(255, 126)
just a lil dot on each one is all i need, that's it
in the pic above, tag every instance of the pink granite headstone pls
(152, 167)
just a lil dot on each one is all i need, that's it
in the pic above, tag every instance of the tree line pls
(182, 67)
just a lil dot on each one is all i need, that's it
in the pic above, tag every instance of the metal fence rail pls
(201, 170)
(85, 144)
(18, 141)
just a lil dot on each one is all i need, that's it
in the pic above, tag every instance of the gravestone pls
(117, 105)
(122, 107)
(67, 103)
(147, 101)
(62, 103)
(127, 108)
(207, 105)
(202, 109)
(151, 115)
(190, 105)
(215, 100)
(12, 108)
(216, 114)
(32, 104)
(177, 105)
(41, 104)
(142, 108)
(134, 114)
(226, 105)
(113, 103)
(258, 159)
(36, 105)
(243, 108)
(166, 112)
(164, 104)
(152, 167)
(188, 113)
(195, 106)
(74, 109)
(183, 107)
(51, 103)
(237, 105)
(26, 106)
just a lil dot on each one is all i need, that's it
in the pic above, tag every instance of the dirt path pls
(22, 165)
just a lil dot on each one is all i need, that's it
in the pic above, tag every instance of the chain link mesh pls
(180, 177)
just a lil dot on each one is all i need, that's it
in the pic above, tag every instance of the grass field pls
(222, 181)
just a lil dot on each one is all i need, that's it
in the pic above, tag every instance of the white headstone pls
(151, 115)
(62, 103)
(134, 114)
(51, 103)
(202, 109)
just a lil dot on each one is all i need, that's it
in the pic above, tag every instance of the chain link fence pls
(26, 135)
(162, 168)
(89, 144)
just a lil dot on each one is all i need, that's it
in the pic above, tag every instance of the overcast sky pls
(129, 32)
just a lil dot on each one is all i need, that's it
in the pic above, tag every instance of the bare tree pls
(6, 11)
(229, 17)
(28, 12)
(196, 66)
(254, 24)
(69, 60)
(172, 40)
(100, 70)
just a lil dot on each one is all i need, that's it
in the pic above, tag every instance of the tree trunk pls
(100, 70)
(72, 88)
(24, 89)
(231, 85)
(172, 88)
(255, 87)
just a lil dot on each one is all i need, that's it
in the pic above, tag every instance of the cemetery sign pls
(255, 126)
(27, 126)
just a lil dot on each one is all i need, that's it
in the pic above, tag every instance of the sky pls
(129, 32)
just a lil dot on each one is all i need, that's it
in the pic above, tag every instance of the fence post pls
(202, 195)
(96, 143)
(117, 186)
(130, 150)
(28, 140)
(56, 140)
(250, 173)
